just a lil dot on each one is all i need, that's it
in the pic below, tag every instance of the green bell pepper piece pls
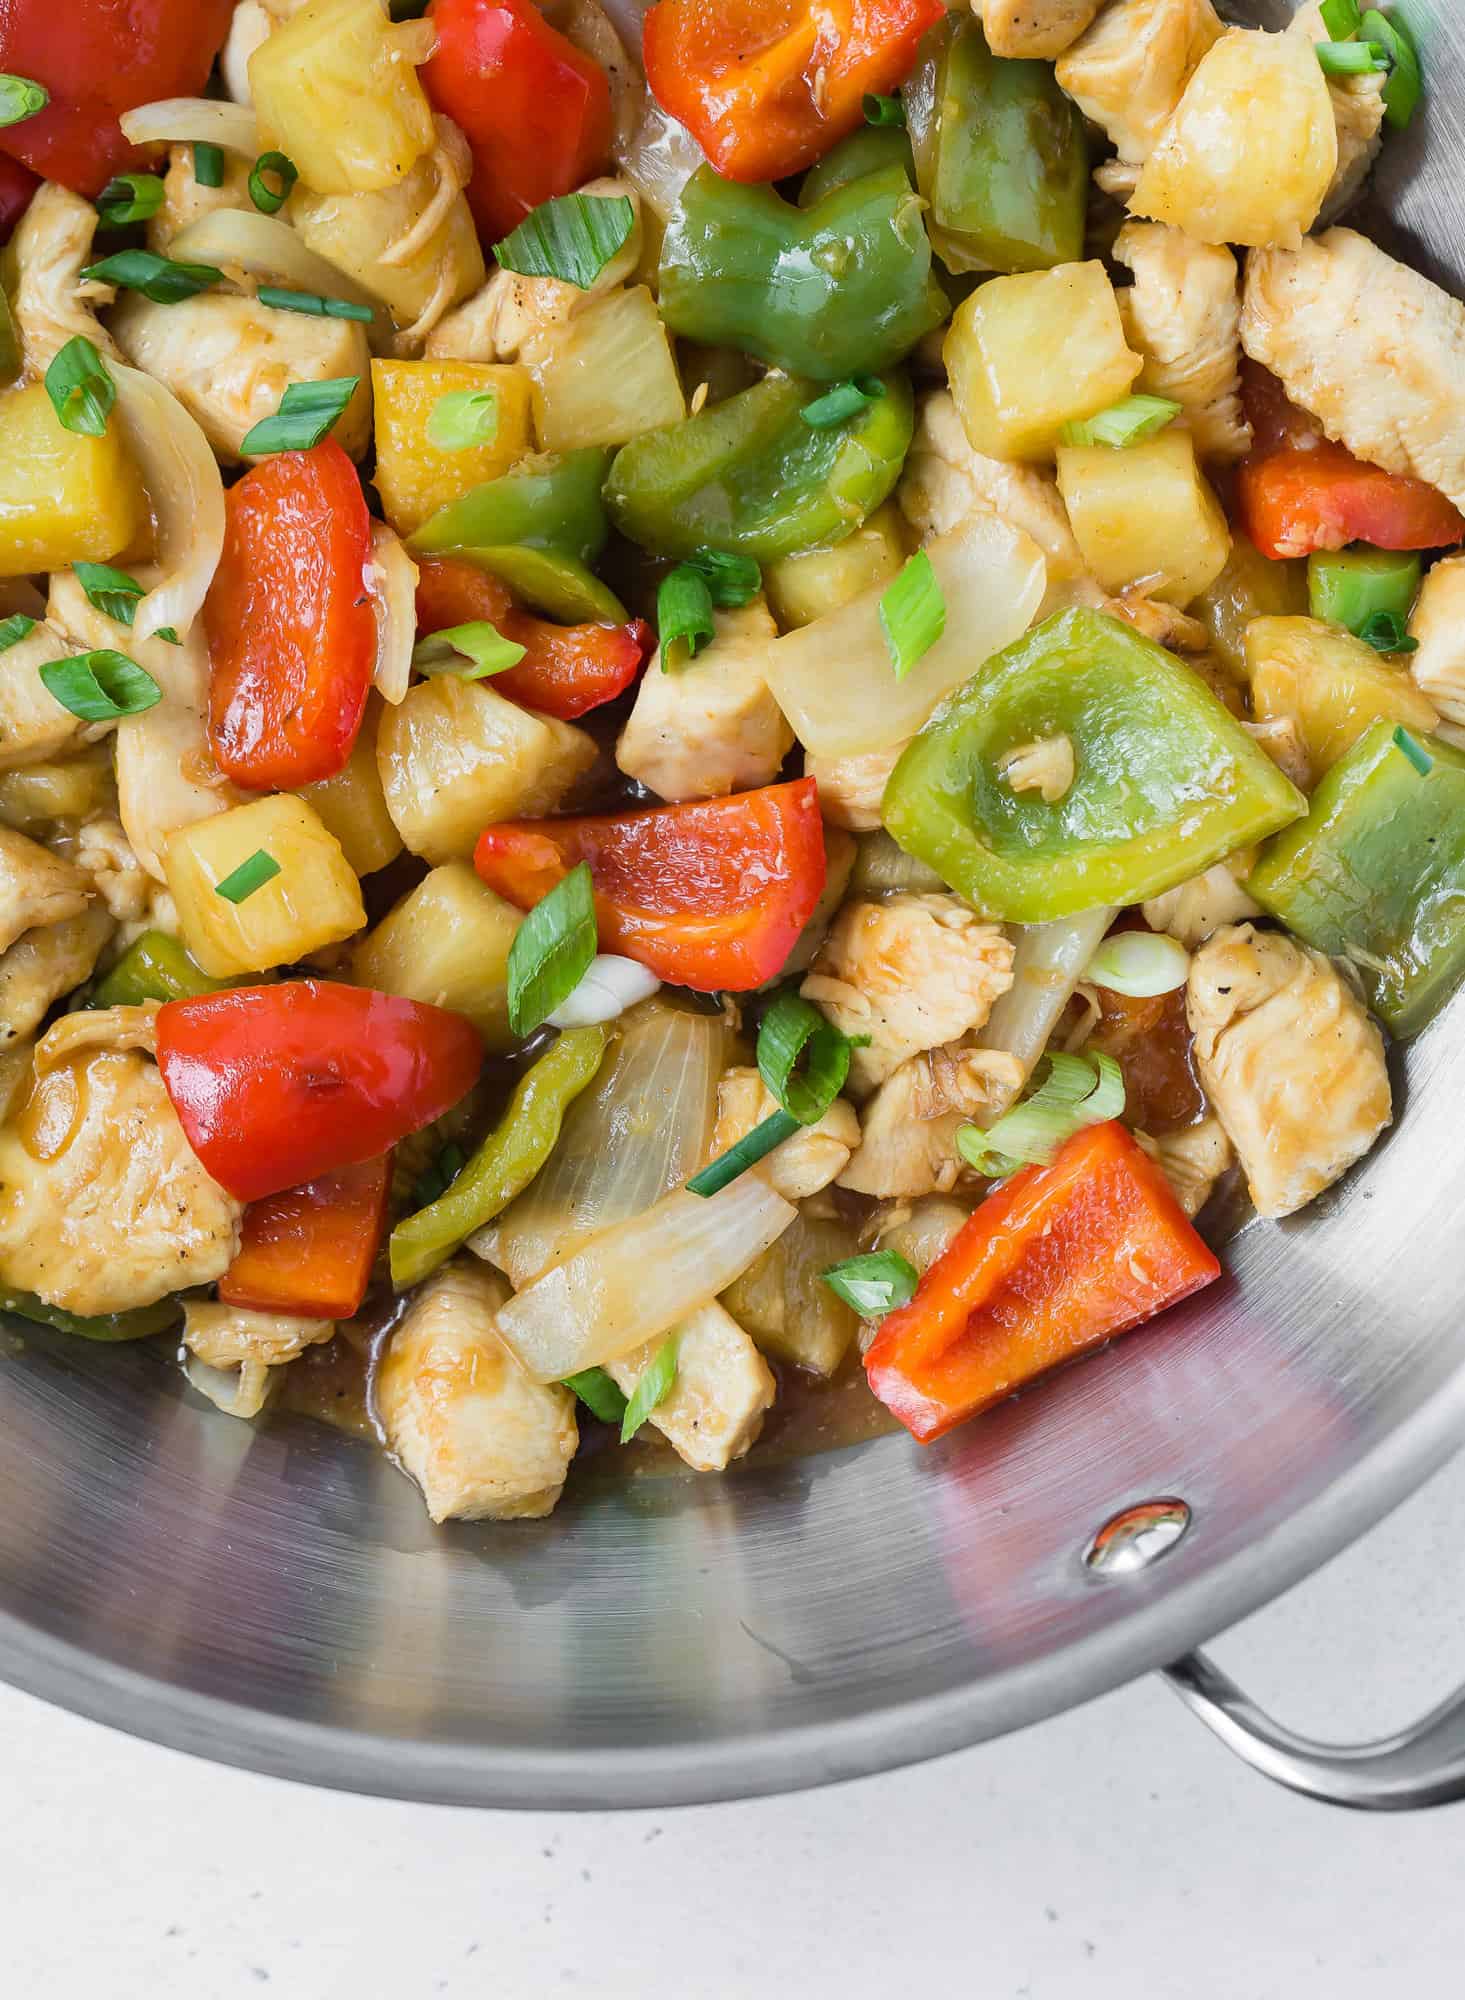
(505, 1163)
(867, 151)
(844, 288)
(751, 477)
(558, 585)
(139, 1324)
(1376, 872)
(155, 967)
(1351, 586)
(538, 527)
(1166, 781)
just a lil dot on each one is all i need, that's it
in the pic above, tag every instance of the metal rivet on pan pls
(1137, 1537)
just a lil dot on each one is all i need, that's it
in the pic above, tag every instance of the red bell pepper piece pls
(309, 1250)
(711, 895)
(566, 669)
(292, 636)
(534, 109)
(1298, 491)
(97, 58)
(278, 1085)
(1058, 1259)
(766, 86)
(17, 185)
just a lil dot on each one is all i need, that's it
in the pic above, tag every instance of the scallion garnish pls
(1352, 58)
(1124, 424)
(307, 412)
(463, 419)
(313, 303)
(100, 686)
(655, 1385)
(15, 628)
(552, 950)
(1415, 751)
(874, 1284)
(268, 197)
(473, 651)
(1341, 18)
(793, 1029)
(1387, 632)
(844, 400)
(599, 1394)
(683, 614)
(157, 278)
(208, 164)
(247, 877)
(1141, 964)
(912, 613)
(749, 1150)
(883, 110)
(1076, 1091)
(111, 591)
(130, 198)
(572, 238)
(81, 390)
(731, 580)
(1405, 86)
(21, 97)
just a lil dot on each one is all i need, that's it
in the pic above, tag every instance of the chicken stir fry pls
(727, 759)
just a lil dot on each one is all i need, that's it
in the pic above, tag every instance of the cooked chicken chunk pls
(1046, 766)
(33, 724)
(851, 788)
(229, 362)
(711, 727)
(1183, 315)
(482, 1440)
(909, 1127)
(48, 302)
(104, 855)
(103, 1203)
(45, 963)
(1438, 624)
(912, 973)
(1192, 1160)
(116, 1029)
(1202, 906)
(802, 1165)
(1292, 1064)
(921, 1230)
(1037, 29)
(1358, 108)
(186, 200)
(1130, 70)
(36, 887)
(227, 1336)
(722, 1388)
(181, 671)
(1375, 351)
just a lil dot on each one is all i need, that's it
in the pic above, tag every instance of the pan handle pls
(1420, 1766)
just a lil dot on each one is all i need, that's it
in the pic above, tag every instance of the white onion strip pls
(177, 121)
(392, 586)
(265, 249)
(182, 479)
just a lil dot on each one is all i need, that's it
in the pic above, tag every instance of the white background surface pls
(1116, 1854)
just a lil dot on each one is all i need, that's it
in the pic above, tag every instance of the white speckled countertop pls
(1116, 1854)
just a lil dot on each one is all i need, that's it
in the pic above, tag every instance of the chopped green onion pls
(1387, 632)
(1415, 751)
(552, 950)
(1076, 1092)
(844, 400)
(1405, 86)
(1126, 423)
(749, 1150)
(157, 278)
(912, 614)
(683, 614)
(731, 580)
(267, 199)
(655, 1385)
(1341, 18)
(883, 110)
(1352, 58)
(598, 1393)
(438, 1176)
(571, 238)
(15, 628)
(793, 1028)
(463, 418)
(473, 651)
(130, 198)
(21, 98)
(1142, 964)
(874, 1284)
(208, 165)
(111, 591)
(307, 412)
(247, 877)
(100, 686)
(82, 392)
(314, 304)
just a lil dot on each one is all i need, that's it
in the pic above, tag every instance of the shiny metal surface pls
(1137, 1536)
(277, 1597)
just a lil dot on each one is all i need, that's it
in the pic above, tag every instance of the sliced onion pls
(266, 249)
(1047, 965)
(659, 158)
(179, 121)
(238, 1392)
(187, 495)
(249, 30)
(1141, 964)
(639, 1279)
(610, 986)
(392, 586)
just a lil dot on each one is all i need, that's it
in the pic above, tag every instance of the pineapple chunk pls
(414, 476)
(1332, 685)
(1251, 150)
(64, 497)
(335, 89)
(361, 233)
(315, 900)
(604, 376)
(1146, 516)
(73, 788)
(446, 942)
(784, 1304)
(1030, 353)
(455, 756)
(1250, 586)
(351, 805)
(802, 588)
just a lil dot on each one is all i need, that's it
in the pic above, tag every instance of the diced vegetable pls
(1350, 587)
(552, 951)
(75, 788)
(352, 806)
(335, 89)
(309, 1250)
(1331, 684)
(1146, 514)
(1250, 586)
(804, 587)
(784, 1303)
(365, 236)
(605, 375)
(1047, 965)
(1030, 353)
(417, 477)
(447, 942)
(154, 967)
(575, 239)
(64, 496)
(866, 151)
(1405, 86)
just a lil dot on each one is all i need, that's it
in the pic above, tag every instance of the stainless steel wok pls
(277, 1598)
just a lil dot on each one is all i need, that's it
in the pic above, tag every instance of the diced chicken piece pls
(227, 1336)
(1183, 315)
(1192, 1160)
(912, 973)
(1034, 29)
(1130, 70)
(105, 857)
(103, 1203)
(1358, 107)
(1282, 738)
(229, 362)
(48, 302)
(1292, 1064)
(851, 788)
(1202, 906)
(803, 1164)
(43, 964)
(712, 727)
(242, 1392)
(33, 724)
(185, 198)
(36, 887)
(166, 779)
(1438, 625)
(921, 1230)
(1046, 766)
(482, 1440)
(1373, 349)
(723, 1387)
(909, 1127)
(1153, 618)
(181, 671)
